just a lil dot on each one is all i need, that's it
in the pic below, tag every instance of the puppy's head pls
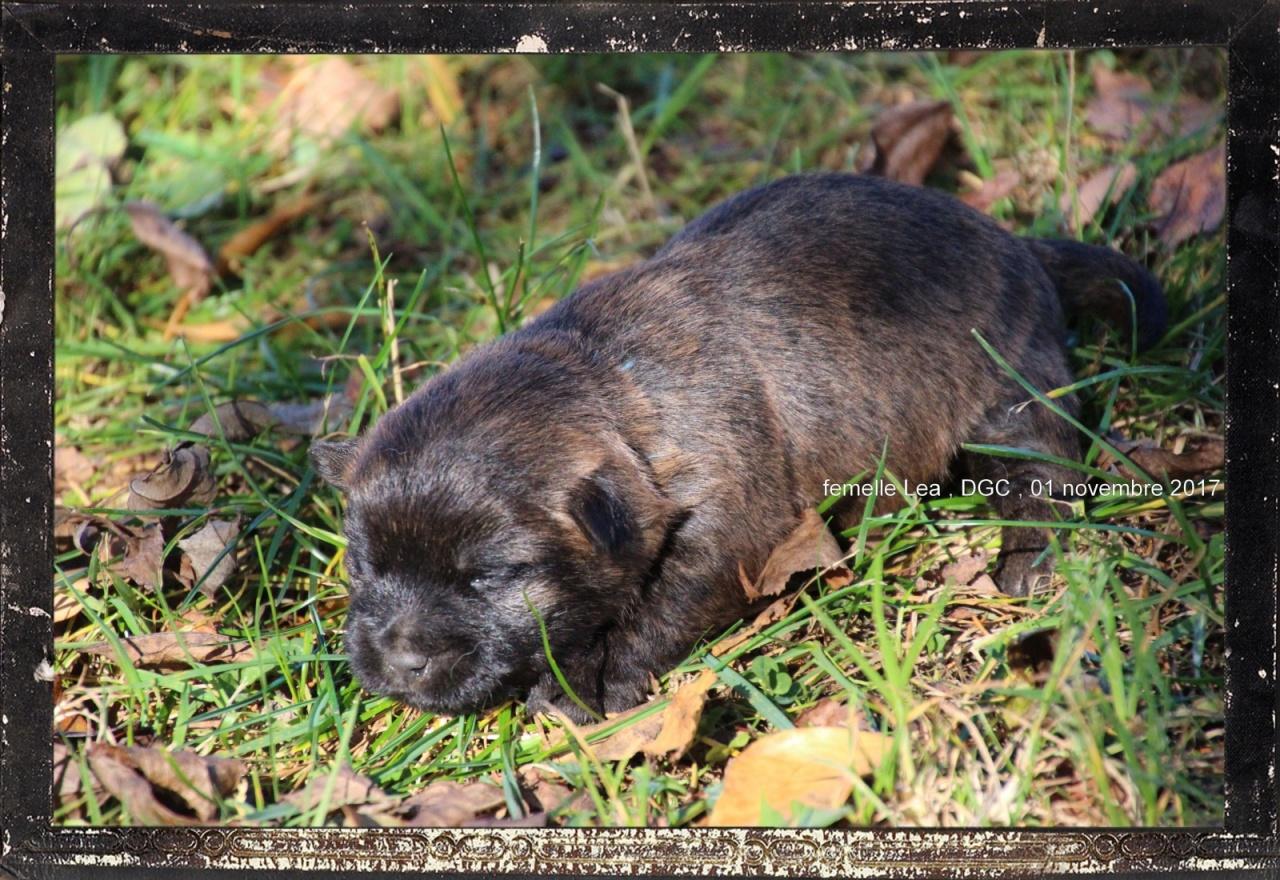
(463, 544)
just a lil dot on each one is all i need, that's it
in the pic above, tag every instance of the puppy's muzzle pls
(414, 658)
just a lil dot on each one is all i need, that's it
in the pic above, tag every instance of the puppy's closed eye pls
(605, 518)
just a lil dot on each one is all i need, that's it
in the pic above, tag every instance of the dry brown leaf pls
(1190, 196)
(810, 545)
(189, 265)
(198, 780)
(775, 611)
(326, 98)
(65, 605)
(181, 479)
(210, 331)
(1120, 104)
(201, 552)
(908, 140)
(984, 583)
(240, 420)
(247, 241)
(66, 523)
(965, 569)
(132, 552)
(176, 650)
(1123, 108)
(70, 467)
(985, 193)
(313, 418)
(345, 788)
(549, 795)
(131, 789)
(1199, 455)
(668, 732)
(67, 781)
(826, 713)
(626, 742)
(70, 720)
(680, 718)
(1102, 188)
(813, 767)
(136, 775)
(449, 804)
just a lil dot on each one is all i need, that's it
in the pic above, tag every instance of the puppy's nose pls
(406, 661)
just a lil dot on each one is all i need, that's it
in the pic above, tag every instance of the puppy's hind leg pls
(1024, 485)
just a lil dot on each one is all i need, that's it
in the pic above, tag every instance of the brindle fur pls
(614, 461)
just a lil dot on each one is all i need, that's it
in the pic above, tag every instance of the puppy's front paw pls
(1018, 575)
(613, 696)
(548, 695)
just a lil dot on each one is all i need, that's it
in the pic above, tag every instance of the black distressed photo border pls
(34, 33)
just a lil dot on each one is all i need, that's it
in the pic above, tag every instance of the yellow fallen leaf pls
(668, 732)
(210, 331)
(681, 717)
(787, 771)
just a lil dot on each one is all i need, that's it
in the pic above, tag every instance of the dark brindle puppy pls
(611, 463)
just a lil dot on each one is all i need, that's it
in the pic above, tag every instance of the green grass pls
(475, 222)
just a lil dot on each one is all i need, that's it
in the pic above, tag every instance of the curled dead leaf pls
(680, 718)
(132, 789)
(667, 732)
(810, 545)
(781, 774)
(984, 583)
(132, 552)
(189, 265)
(209, 556)
(1190, 197)
(182, 478)
(136, 776)
(176, 650)
(244, 419)
(908, 139)
(626, 741)
(313, 418)
(240, 420)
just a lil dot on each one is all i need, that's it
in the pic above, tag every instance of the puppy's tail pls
(1086, 277)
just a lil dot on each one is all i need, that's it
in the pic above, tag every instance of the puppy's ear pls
(597, 506)
(334, 460)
